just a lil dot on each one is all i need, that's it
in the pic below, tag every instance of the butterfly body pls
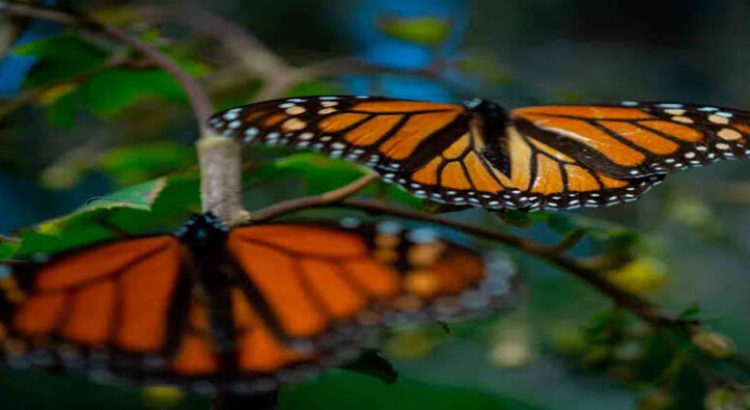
(479, 154)
(490, 133)
(238, 309)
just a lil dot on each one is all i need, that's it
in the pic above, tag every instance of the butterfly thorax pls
(203, 231)
(489, 131)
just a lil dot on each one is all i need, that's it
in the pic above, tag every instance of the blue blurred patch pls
(380, 48)
(14, 68)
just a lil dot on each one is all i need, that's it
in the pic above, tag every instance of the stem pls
(220, 161)
(335, 195)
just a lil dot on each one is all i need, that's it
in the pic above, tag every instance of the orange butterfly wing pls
(286, 300)
(638, 139)
(545, 157)
(343, 280)
(435, 151)
(128, 311)
(86, 305)
(631, 146)
(383, 133)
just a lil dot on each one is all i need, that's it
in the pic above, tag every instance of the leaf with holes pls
(154, 206)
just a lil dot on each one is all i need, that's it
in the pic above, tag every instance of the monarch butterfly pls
(237, 310)
(544, 157)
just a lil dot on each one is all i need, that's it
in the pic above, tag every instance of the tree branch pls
(278, 75)
(287, 207)
(551, 254)
(251, 52)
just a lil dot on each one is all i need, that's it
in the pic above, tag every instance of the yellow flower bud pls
(412, 344)
(714, 344)
(726, 399)
(162, 397)
(643, 275)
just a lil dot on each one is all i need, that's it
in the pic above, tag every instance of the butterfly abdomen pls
(490, 132)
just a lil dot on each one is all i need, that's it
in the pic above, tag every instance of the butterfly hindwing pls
(371, 273)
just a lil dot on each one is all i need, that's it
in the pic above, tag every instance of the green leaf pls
(60, 58)
(690, 312)
(516, 218)
(562, 223)
(426, 30)
(61, 112)
(320, 174)
(154, 206)
(137, 163)
(338, 390)
(689, 387)
(314, 87)
(176, 52)
(371, 363)
(108, 93)
(139, 197)
(8, 247)
(19, 389)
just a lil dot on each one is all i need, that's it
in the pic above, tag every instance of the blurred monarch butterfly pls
(545, 157)
(233, 310)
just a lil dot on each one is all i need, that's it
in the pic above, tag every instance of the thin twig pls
(284, 208)
(569, 241)
(38, 12)
(355, 66)
(255, 57)
(277, 74)
(253, 54)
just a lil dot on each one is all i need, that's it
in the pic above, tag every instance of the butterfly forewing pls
(639, 138)
(380, 132)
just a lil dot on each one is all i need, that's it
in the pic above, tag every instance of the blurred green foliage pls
(61, 58)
